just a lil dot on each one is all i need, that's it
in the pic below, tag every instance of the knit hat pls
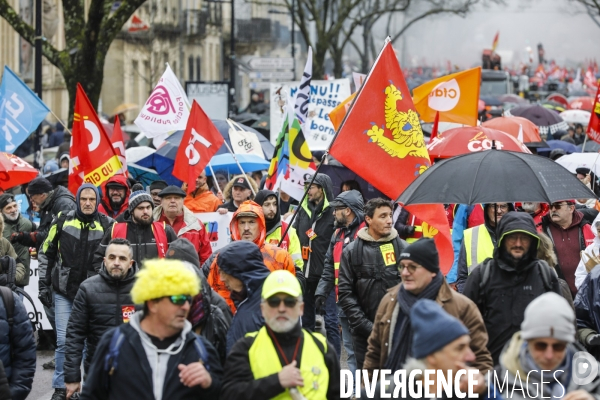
(136, 198)
(183, 250)
(433, 328)
(549, 315)
(160, 278)
(158, 185)
(424, 253)
(38, 186)
(5, 199)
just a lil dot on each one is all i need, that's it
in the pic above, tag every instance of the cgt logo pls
(127, 313)
(445, 96)
(585, 368)
(481, 142)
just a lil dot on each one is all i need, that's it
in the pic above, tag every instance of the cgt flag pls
(93, 158)
(200, 141)
(381, 140)
(593, 129)
(119, 145)
(167, 109)
(21, 111)
(454, 96)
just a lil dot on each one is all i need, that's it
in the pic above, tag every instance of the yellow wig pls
(160, 278)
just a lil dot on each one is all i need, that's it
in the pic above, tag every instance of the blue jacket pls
(21, 368)
(244, 261)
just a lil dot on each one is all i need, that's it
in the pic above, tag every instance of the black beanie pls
(38, 186)
(183, 250)
(424, 253)
(5, 199)
(158, 185)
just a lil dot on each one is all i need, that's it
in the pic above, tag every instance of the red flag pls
(119, 145)
(93, 159)
(593, 129)
(381, 140)
(495, 42)
(201, 140)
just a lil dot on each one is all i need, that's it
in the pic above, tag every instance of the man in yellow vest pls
(282, 360)
(479, 242)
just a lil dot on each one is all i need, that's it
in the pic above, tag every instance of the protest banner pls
(217, 228)
(324, 97)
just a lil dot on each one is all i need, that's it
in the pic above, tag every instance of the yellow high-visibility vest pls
(264, 362)
(478, 245)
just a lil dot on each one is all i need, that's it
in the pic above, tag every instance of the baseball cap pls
(281, 281)
(241, 182)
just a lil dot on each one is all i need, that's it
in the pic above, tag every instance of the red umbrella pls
(14, 171)
(512, 126)
(559, 98)
(582, 103)
(466, 140)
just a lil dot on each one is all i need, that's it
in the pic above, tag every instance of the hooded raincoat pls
(273, 257)
(105, 206)
(252, 272)
(511, 285)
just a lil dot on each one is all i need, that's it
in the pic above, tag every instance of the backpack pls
(118, 337)
(10, 265)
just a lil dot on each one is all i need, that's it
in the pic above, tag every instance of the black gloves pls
(24, 238)
(45, 296)
(320, 304)
(593, 340)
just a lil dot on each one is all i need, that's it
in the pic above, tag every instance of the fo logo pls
(445, 96)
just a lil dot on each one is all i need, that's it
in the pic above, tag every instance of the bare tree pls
(88, 39)
(592, 8)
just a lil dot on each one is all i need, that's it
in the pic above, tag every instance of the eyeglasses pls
(274, 302)
(558, 206)
(180, 299)
(556, 347)
(411, 268)
(502, 207)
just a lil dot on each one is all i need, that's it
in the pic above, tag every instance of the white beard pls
(10, 217)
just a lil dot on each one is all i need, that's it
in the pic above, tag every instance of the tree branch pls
(27, 32)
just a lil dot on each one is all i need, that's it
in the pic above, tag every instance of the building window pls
(190, 68)
(198, 68)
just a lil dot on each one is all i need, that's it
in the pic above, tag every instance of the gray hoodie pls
(158, 359)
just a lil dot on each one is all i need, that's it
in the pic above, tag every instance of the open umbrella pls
(492, 101)
(546, 120)
(472, 139)
(581, 160)
(558, 98)
(582, 103)
(135, 154)
(14, 171)
(512, 98)
(514, 126)
(340, 174)
(143, 175)
(121, 108)
(558, 144)
(576, 116)
(554, 106)
(494, 176)
(226, 162)
(590, 147)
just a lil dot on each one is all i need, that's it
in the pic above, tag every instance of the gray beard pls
(7, 216)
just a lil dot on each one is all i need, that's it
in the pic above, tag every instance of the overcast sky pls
(565, 34)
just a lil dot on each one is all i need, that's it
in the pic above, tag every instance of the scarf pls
(198, 311)
(562, 373)
(402, 341)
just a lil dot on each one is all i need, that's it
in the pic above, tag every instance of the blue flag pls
(21, 111)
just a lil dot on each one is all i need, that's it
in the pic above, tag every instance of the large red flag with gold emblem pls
(381, 140)
(93, 158)
(593, 129)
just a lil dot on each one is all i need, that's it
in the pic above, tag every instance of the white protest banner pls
(32, 290)
(324, 97)
(217, 227)
(167, 109)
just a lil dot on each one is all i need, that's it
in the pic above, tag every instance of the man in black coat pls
(48, 202)
(369, 267)
(503, 286)
(314, 225)
(102, 302)
(148, 238)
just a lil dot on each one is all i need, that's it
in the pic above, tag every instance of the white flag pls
(167, 109)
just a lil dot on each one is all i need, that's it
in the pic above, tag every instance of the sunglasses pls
(180, 299)
(558, 206)
(411, 268)
(556, 347)
(274, 302)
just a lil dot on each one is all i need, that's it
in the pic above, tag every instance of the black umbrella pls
(494, 176)
(340, 174)
(546, 120)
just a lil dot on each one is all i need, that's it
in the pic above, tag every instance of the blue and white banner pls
(21, 111)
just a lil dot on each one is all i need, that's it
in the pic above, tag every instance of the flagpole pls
(61, 122)
(238, 164)
(387, 39)
(215, 178)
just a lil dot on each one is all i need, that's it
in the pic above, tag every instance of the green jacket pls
(21, 224)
